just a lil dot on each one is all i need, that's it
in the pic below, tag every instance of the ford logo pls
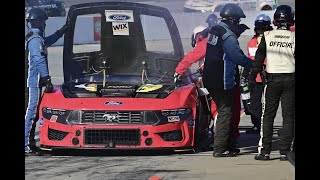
(113, 103)
(119, 17)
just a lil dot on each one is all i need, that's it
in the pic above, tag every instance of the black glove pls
(177, 78)
(47, 83)
(63, 29)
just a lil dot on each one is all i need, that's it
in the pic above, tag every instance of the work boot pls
(236, 150)
(283, 157)
(253, 130)
(262, 157)
(224, 154)
(30, 153)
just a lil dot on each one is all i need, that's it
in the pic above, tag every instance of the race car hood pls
(120, 54)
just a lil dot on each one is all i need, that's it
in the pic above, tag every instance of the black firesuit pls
(277, 47)
(221, 77)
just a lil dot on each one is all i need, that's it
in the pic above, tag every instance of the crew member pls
(261, 24)
(278, 48)
(221, 74)
(37, 45)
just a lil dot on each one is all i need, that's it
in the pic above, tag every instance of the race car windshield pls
(124, 42)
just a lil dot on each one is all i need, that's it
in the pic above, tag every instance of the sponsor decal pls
(190, 122)
(97, 28)
(119, 87)
(149, 87)
(119, 15)
(173, 118)
(212, 39)
(49, 6)
(54, 118)
(281, 36)
(120, 28)
(113, 103)
(41, 121)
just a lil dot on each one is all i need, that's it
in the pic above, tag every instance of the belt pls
(272, 75)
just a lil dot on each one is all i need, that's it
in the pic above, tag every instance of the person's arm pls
(37, 56)
(259, 58)
(191, 57)
(232, 48)
(55, 36)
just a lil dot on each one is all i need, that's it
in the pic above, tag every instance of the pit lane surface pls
(154, 165)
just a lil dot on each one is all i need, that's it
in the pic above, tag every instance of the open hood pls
(124, 52)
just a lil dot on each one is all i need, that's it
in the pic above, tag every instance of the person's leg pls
(269, 109)
(224, 123)
(32, 141)
(256, 108)
(288, 106)
(30, 113)
(236, 113)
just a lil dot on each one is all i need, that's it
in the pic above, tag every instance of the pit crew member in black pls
(221, 74)
(278, 47)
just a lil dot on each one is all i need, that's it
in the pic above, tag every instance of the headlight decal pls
(55, 115)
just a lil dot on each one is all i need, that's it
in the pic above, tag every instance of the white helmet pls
(195, 31)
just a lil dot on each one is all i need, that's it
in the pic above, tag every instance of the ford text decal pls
(119, 17)
(113, 103)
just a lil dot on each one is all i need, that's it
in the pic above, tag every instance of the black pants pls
(224, 124)
(256, 105)
(279, 87)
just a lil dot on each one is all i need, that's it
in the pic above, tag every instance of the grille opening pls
(175, 135)
(119, 136)
(106, 117)
(56, 135)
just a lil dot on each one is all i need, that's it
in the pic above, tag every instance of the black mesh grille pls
(56, 135)
(115, 117)
(171, 135)
(119, 136)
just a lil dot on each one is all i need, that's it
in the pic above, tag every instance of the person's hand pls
(63, 29)
(46, 81)
(177, 78)
(49, 88)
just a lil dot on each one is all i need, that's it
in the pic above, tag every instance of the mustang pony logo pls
(110, 117)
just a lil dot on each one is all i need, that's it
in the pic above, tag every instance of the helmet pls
(283, 16)
(262, 20)
(212, 20)
(231, 10)
(195, 32)
(37, 17)
(36, 13)
(262, 23)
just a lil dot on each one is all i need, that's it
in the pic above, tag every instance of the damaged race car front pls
(119, 93)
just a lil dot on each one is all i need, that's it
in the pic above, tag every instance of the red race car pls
(118, 93)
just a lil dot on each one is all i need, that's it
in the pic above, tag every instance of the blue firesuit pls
(38, 66)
